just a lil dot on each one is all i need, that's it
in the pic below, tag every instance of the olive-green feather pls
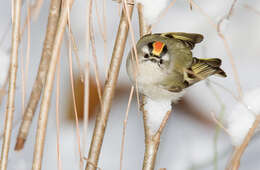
(189, 39)
(203, 68)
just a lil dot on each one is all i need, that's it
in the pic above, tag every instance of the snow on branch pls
(152, 9)
(156, 111)
(243, 115)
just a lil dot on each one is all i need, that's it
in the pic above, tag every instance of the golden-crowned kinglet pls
(165, 65)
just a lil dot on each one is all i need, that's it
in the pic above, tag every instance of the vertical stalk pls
(109, 89)
(44, 109)
(16, 17)
(54, 13)
(151, 146)
(144, 28)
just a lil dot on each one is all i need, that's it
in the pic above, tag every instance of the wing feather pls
(203, 68)
(188, 39)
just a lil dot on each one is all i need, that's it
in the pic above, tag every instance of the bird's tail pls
(203, 68)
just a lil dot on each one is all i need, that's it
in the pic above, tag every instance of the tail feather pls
(203, 68)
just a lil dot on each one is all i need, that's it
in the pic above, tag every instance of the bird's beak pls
(154, 59)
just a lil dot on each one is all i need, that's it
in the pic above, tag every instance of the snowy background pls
(188, 139)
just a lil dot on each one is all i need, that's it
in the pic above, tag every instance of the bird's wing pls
(189, 39)
(201, 69)
(173, 82)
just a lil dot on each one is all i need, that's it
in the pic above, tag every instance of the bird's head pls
(155, 52)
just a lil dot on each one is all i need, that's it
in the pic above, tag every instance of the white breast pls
(149, 73)
(148, 79)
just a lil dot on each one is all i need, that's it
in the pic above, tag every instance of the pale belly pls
(157, 93)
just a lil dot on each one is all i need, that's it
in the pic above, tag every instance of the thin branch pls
(92, 40)
(226, 45)
(58, 116)
(75, 51)
(124, 127)
(109, 89)
(143, 27)
(86, 106)
(91, 163)
(102, 32)
(73, 92)
(219, 123)
(227, 16)
(54, 13)
(16, 7)
(36, 8)
(235, 161)
(34, 12)
(105, 33)
(23, 81)
(44, 109)
(252, 9)
(28, 48)
(24, 69)
(86, 80)
(134, 51)
(163, 124)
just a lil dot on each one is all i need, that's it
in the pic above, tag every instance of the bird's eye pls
(146, 56)
(161, 61)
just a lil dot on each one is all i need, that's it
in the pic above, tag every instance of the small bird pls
(164, 66)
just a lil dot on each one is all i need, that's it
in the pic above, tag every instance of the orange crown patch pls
(157, 47)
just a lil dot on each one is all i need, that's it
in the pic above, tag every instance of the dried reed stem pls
(124, 127)
(58, 117)
(16, 10)
(102, 32)
(109, 89)
(92, 40)
(134, 51)
(143, 27)
(86, 80)
(36, 8)
(73, 92)
(43, 116)
(53, 18)
(86, 106)
(235, 161)
(256, 11)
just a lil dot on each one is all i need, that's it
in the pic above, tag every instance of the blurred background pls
(190, 140)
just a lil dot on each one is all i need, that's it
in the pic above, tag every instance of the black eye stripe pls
(150, 46)
(164, 51)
